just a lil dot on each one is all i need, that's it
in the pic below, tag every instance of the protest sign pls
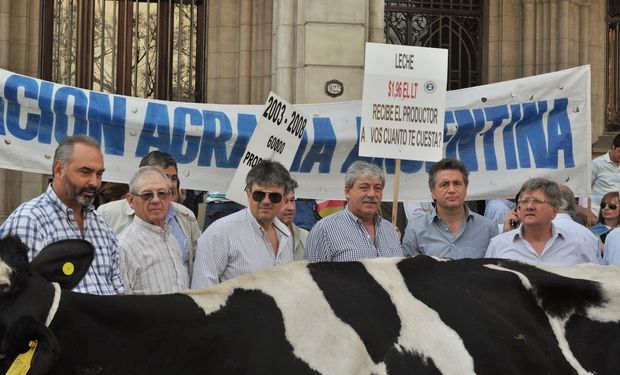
(277, 137)
(404, 101)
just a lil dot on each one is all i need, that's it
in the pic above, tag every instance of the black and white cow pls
(385, 316)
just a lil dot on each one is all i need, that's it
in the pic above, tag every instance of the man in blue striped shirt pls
(357, 231)
(65, 211)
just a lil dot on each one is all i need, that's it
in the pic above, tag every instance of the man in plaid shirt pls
(65, 211)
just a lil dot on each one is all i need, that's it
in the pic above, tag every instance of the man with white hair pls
(151, 261)
(357, 231)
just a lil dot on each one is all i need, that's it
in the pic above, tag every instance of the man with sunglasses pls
(150, 255)
(537, 239)
(183, 224)
(251, 239)
(65, 211)
(357, 231)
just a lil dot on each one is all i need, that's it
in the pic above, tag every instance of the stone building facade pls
(293, 47)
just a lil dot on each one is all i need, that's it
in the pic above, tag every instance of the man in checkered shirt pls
(357, 231)
(65, 211)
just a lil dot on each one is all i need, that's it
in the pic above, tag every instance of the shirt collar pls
(172, 212)
(433, 214)
(555, 231)
(150, 227)
(376, 219)
(276, 222)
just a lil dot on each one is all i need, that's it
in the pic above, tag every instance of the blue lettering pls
(530, 132)
(2, 130)
(246, 124)
(495, 115)
(155, 119)
(46, 124)
(560, 135)
(31, 88)
(465, 138)
(61, 101)
(322, 150)
(101, 119)
(181, 115)
(510, 154)
(212, 142)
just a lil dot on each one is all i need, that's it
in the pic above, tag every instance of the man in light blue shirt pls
(612, 248)
(451, 230)
(537, 239)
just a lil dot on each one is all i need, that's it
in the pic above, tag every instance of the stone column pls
(283, 78)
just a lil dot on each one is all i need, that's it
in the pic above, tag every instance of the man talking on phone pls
(537, 239)
(251, 239)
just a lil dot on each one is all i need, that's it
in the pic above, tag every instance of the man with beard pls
(357, 231)
(65, 211)
(451, 230)
(251, 239)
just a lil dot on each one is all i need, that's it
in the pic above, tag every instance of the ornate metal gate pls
(455, 25)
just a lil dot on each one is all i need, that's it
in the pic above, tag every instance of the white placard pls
(403, 102)
(277, 137)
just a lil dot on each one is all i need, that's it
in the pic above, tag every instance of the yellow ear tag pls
(68, 268)
(21, 364)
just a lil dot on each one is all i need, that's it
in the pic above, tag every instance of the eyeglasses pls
(610, 205)
(535, 201)
(147, 196)
(259, 195)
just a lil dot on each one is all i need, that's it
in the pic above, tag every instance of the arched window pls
(613, 66)
(144, 48)
(454, 25)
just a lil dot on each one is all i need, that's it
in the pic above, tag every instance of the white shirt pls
(566, 223)
(564, 248)
(236, 245)
(151, 260)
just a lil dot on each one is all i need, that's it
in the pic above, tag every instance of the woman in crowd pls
(608, 215)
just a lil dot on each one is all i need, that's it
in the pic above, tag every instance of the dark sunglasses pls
(610, 205)
(148, 195)
(258, 196)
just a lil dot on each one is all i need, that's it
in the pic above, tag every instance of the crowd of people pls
(148, 243)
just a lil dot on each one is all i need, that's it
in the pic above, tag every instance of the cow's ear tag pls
(68, 268)
(21, 364)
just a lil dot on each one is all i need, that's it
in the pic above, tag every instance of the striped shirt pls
(151, 260)
(342, 237)
(563, 248)
(46, 219)
(236, 245)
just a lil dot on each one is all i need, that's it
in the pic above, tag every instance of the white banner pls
(505, 133)
(404, 102)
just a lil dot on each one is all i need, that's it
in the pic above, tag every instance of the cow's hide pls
(415, 315)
